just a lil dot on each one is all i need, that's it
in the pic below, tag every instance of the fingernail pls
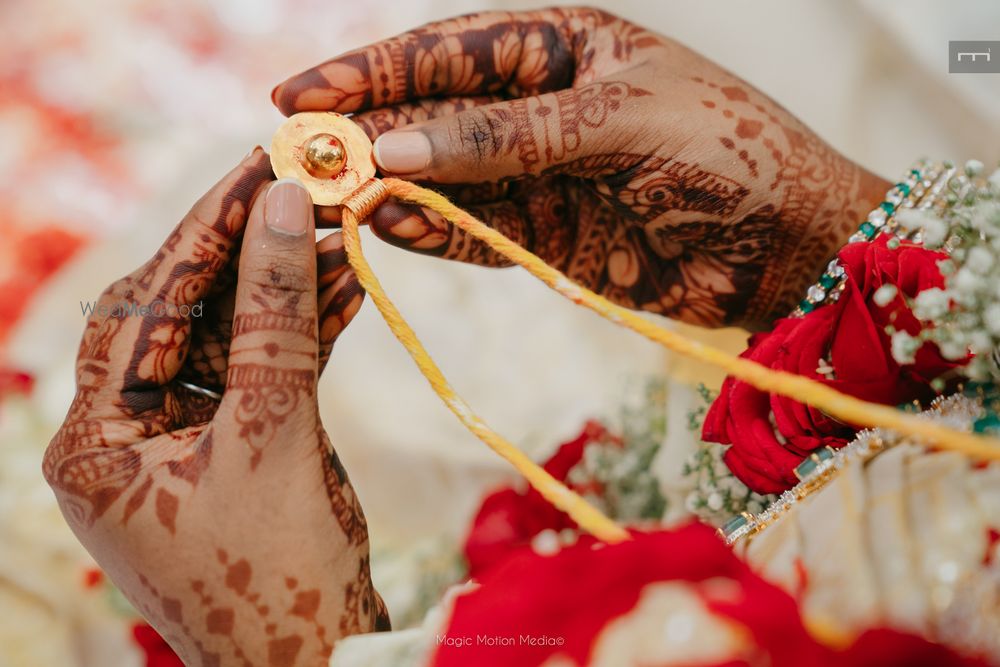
(286, 207)
(403, 152)
(251, 152)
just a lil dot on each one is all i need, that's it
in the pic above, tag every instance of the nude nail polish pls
(286, 207)
(403, 152)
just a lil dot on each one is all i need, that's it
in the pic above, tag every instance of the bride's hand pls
(229, 523)
(636, 166)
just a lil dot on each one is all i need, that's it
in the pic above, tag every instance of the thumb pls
(274, 349)
(521, 137)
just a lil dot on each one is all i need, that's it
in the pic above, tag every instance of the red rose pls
(770, 435)
(508, 519)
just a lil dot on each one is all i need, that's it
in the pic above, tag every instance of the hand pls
(230, 525)
(636, 166)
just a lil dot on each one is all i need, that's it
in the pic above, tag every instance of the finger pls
(380, 121)
(461, 194)
(331, 260)
(184, 269)
(166, 292)
(425, 231)
(206, 363)
(338, 304)
(273, 352)
(564, 131)
(543, 220)
(520, 52)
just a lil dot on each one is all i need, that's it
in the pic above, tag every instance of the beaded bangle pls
(921, 187)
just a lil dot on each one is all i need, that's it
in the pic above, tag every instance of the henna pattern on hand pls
(635, 130)
(819, 196)
(152, 476)
(267, 396)
(343, 500)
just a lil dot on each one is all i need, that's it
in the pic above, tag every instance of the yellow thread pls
(583, 513)
(802, 389)
(364, 200)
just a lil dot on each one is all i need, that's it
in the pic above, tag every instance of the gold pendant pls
(326, 151)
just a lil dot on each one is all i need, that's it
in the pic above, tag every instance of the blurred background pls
(115, 115)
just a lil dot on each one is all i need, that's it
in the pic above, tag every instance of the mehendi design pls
(583, 104)
(144, 466)
(267, 396)
(343, 500)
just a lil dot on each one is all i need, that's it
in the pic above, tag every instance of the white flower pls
(989, 216)
(715, 501)
(967, 282)
(980, 342)
(885, 294)
(731, 485)
(994, 179)
(904, 347)
(953, 349)
(546, 543)
(930, 304)
(991, 318)
(913, 219)
(935, 232)
(980, 260)
(691, 502)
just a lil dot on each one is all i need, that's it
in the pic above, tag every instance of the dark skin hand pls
(230, 525)
(636, 166)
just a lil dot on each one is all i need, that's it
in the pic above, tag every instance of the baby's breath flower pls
(914, 219)
(930, 304)
(953, 350)
(980, 342)
(884, 295)
(980, 260)
(935, 232)
(968, 281)
(716, 494)
(904, 347)
(715, 501)
(991, 318)
(964, 316)
(994, 179)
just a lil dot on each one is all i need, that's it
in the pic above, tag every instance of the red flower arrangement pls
(565, 600)
(508, 518)
(770, 435)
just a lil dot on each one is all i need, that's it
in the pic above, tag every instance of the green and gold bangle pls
(921, 187)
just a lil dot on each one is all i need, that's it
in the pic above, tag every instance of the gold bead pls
(329, 153)
(324, 156)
